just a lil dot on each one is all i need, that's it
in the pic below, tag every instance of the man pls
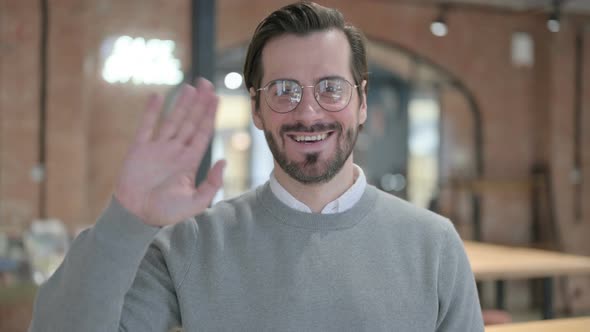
(314, 249)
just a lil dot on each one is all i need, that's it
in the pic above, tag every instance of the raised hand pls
(157, 181)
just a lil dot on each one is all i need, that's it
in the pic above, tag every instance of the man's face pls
(309, 143)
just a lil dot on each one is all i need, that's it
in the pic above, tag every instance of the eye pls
(285, 86)
(332, 86)
(331, 90)
(284, 92)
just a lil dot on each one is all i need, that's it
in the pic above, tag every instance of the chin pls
(312, 170)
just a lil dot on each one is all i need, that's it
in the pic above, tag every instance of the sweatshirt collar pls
(346, 201)
(316, 221)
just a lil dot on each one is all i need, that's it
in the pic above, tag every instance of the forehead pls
(307, 58)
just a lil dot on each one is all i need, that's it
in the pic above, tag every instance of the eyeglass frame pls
(265, 88)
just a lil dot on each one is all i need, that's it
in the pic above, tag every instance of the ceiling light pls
(233, 80)
(553, 22)
(438, 27)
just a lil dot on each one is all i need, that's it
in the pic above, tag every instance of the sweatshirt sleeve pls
(87, 292)
(459, 307)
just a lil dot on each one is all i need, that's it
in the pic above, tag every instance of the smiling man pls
(311, 111)
(314, 249)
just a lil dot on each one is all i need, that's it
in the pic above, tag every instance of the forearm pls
(87, 292)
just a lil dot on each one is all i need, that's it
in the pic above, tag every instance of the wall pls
(19, 112)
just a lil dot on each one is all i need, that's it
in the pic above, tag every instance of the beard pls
(312, 170)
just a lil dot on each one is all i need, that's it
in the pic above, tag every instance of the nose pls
(308, 110)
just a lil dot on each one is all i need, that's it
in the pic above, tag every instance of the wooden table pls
(581, 324)
(499, 263)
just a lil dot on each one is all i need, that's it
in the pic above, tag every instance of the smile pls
(310, 138)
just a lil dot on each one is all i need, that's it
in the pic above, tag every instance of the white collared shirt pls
(346, 201)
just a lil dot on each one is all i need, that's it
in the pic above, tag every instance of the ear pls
(363, 107)
(256, 118)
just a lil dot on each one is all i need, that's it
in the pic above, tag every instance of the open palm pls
(157, 181)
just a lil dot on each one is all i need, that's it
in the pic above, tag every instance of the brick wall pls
(89, 122)
(19, 111)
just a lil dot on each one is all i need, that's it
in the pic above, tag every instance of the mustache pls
(317, 127)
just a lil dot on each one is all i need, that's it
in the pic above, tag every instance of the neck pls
(316, 196)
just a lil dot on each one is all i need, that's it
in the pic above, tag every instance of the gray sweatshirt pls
(254, 264)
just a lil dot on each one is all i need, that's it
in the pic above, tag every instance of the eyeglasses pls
(332, 94)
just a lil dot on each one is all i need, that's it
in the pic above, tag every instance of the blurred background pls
(478, 109)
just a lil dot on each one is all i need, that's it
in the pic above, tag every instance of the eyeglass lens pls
(332, 94)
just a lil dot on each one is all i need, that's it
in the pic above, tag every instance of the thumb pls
(205, 192)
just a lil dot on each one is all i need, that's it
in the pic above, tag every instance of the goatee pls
(312, 170)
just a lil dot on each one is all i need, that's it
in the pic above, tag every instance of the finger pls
(199, 140)
(204, 84)
(205, 124)
(199, 105)
(173, 122)
(205, 192)
(196, 139)
(149, 119)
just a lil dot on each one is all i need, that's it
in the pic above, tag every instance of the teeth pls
(314, 138)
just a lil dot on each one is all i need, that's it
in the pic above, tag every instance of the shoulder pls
(242, 206)
(405, 215)
(223, 214)
(177, 244)
(420, 231)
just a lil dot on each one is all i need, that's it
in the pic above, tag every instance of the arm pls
(459, 308)
(151, 304)
(86, 293)
(156, 188)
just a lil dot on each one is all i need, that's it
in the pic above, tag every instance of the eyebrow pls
(284, 79)
(329, 77)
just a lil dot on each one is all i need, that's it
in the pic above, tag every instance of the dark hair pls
(302, 18)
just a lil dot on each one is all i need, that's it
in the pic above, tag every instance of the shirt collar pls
(346, 201)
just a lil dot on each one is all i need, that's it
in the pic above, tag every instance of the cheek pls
(348, 117)
(271, 121)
